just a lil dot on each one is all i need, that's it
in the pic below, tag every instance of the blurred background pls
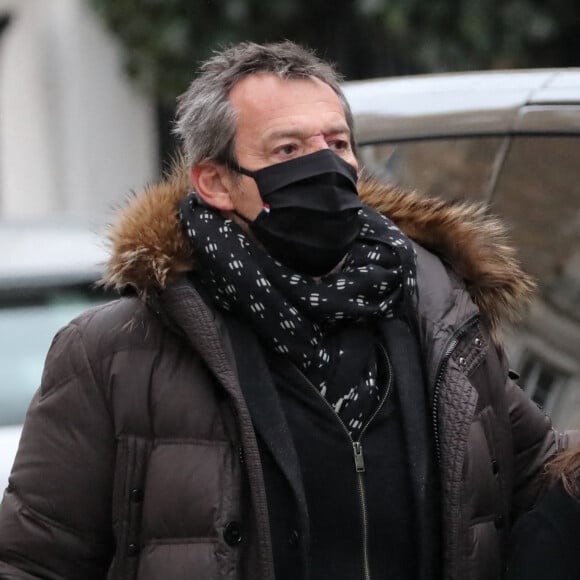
(87, 96)
(87, 87)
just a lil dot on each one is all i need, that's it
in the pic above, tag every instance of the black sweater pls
(333, 489)
(545, 542)
(311, 481)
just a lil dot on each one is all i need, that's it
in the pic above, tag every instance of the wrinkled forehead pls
(263, 100)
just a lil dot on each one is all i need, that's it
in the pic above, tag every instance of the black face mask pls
(310, 215)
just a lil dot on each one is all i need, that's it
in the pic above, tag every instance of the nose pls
(316, 142)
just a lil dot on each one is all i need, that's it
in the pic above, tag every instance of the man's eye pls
(340, 145)
(286, 149)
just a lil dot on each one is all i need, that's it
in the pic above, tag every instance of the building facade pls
(76, 134)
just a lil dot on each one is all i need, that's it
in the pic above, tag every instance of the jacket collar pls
(148, 248)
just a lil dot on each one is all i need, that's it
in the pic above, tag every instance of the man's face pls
(280, 120)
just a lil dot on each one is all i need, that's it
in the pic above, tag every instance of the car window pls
(458, 168)
(538, 195)
(27, 327)
(544, 383)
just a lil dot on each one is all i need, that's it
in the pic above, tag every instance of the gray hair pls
(206, 120)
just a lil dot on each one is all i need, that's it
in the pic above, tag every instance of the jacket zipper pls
(359, 465)
(442, 367)
(359, 461)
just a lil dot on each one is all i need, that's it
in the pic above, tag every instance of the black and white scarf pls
(326, 326)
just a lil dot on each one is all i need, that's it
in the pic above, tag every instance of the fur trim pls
(467, 239)
(148, 246)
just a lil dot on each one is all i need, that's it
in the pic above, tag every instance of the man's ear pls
(213, 184)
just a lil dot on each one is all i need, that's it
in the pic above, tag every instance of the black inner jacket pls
(311, 483)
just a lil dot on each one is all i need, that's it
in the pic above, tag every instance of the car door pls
(530, 176)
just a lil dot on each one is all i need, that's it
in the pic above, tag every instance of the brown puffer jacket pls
(138, 459)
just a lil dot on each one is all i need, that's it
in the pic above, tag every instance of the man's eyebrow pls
(338, 129)
(285, 134)
(297, 134)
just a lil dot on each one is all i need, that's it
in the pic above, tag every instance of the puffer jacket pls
(138, 458)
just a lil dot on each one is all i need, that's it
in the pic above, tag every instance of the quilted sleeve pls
(55, 516)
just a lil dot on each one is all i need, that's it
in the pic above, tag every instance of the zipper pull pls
(359, 460)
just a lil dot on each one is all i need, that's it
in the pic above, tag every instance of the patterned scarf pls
(326, 326)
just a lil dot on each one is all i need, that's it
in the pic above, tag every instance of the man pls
(294, 389)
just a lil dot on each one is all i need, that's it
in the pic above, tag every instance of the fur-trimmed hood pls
(148, 246)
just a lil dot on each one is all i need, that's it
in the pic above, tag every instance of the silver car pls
(510, 140)
(47, 277)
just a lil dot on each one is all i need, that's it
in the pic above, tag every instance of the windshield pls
(26, 332)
